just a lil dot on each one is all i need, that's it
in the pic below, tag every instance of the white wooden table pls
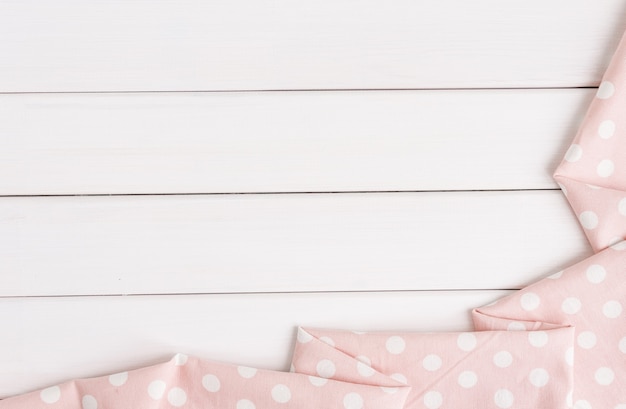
(203, 177)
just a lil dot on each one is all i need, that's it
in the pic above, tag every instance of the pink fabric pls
(558, 343)
(487, 369)
(593, 172)
(589, 297)
(191, 383)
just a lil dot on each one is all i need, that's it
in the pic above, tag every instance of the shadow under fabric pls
(558, 343)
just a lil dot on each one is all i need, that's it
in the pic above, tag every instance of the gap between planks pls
(256, 91)
(285, 193)
(253, 293)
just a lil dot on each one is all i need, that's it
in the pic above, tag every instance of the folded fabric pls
(590, 297)
(488, 369)
(522, 355)
(192, 383)
(593, 173)
(347, 370)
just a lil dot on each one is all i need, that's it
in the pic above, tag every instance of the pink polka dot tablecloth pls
(593, 173)
(559, 343)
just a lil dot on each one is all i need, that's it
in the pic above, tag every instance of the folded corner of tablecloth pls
(592, 174)
(587, 301)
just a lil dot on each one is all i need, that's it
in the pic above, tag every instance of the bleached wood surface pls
(286, 141)
(230, 276)
(141, 45)
(57, 339)
(294, 242)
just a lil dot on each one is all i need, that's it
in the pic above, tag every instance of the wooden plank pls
(290, 242)
(55, 339)
(142, 45)
(285, 142)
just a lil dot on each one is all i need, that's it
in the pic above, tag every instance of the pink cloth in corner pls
(487, 369)
(558, 343)
(589, 297)
(593, 173)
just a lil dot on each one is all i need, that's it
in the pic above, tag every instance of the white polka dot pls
(51, 394)
(281, 393)
(364, 369)
(211, 383)
(503, 359)
(605, 90)
(177, 397)
(530, 301)
(620, 406)
(433, 400)
(569, 356)
(621, 207)
(556, 275)
(292, 368)
(399, 377)
(180, 359)
(245, 404)
(504, 398)
(569, 400)
(571, 305)
(364, 366)
(612, 309)
(586, 340)
(431, 362)
(317, 381)
(595, 273)
(467, 379)
(539, 377)
(246, 372)
(466, 341)
(395, 345)
(538, 338)
(582, 404)
(326, 368)
(589, 220)
(604, 376)
(574, 153)
(606, 129)
(303, 336)
(118, 379)
(389, 390)
(364, 359)
(618, 243)
(353, 401)
(156, 389)
(328, 340)
(605, 168)
(516, 326)
(622, 345)
(89, 402)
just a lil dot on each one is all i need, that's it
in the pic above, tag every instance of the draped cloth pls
(558, 343)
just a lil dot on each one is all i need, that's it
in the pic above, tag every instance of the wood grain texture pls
(290, 242)
(51, 340)
(285, 142)
(229, 276)
(141, 45)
